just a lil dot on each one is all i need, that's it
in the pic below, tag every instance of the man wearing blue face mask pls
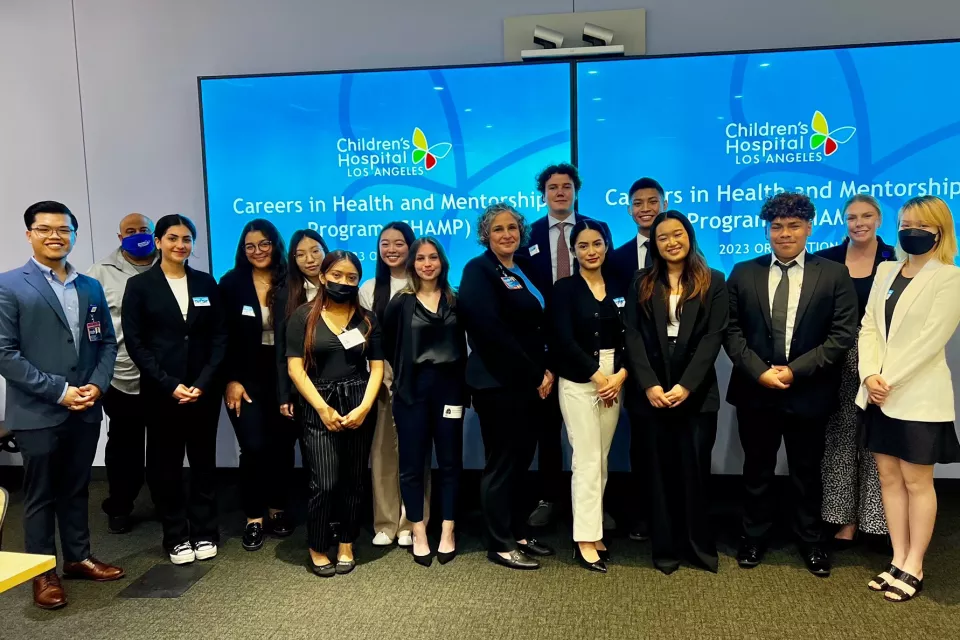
(125, 429)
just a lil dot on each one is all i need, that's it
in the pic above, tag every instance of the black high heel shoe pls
(443, 557)
(604, 554)
(597, 566)
(423, 561)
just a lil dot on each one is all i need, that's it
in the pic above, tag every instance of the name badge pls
(201, 301)
(350, 339)
(453, 412)
(889, 293)
(92, 310)
(93, 332)
(620, 302)
(248, 311)
(511, 283)
(534, 250)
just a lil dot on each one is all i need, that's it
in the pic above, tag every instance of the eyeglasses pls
(46, 232)
(316, 253)
(263, 245)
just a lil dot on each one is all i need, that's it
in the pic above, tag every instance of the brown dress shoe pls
(92, 569)
(48, 592)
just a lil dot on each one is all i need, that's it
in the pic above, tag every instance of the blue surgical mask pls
(139, 245)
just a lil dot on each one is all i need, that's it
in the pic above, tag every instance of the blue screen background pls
(667, 118)
(275, 139)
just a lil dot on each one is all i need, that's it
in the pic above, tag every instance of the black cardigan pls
(167, 349)
(505, 327)
(397, 339)
(575, 335)
(702, 329)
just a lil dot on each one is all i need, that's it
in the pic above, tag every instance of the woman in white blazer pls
(906, 390)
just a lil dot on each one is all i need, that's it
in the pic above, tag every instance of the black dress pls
(910, 440)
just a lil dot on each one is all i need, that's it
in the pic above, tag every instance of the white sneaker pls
(405, 539)
(205, 550)
(382, 540)
(182, 554)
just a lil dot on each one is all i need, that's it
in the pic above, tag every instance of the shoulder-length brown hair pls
(443, 279)
(695, 280)
(329, 261)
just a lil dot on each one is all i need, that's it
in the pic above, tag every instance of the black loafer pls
(516, 560)
(817, 561)
(252, 536)
(345, 566)
(119, 524)
(534, 548)
(749, 555)
(324, 570)
(281, 525)
(640, 532)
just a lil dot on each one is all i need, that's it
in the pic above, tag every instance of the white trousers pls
(590, 429)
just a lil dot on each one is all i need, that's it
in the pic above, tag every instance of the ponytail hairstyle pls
(313, 317)
(695, 280)
(173, 220)
(296, 293)
(381, 288)
(443, 279)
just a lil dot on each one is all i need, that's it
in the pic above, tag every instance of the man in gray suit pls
(57, 352)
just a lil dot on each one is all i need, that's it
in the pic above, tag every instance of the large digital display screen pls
(721, 133)
(345, 153)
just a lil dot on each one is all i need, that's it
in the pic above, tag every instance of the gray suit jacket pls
(37, 354)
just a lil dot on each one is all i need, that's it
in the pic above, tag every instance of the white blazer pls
(912, 359)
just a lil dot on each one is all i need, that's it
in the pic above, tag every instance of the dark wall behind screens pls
(341, 152)
(721, 132)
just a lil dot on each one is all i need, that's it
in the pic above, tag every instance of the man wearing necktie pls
(546, 259)
(793, 316)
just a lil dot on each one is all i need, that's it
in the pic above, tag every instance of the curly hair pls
(564, 169)
(788, 205)
(491, 212)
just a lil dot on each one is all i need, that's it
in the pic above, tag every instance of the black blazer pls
(538, 267)
(575, 335)
(167, 349)
(244, 331)
(824, 329)
(505, 327)
(397, 339)
(703, 326)
(838, 253)
(624, 266)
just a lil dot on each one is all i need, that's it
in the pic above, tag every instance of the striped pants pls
(337, 462)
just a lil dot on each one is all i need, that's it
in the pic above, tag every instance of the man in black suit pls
(647, 201)
(793, 316)
(546, 259)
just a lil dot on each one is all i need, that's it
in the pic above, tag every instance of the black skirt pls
(910, 440)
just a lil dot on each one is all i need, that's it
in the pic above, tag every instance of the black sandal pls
(910, 581)
(894, 572)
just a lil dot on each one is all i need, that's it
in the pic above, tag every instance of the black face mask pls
(917, 242)
(340, 293)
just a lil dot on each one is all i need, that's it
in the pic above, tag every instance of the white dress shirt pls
(642, 248)
(673, 322)
(181, 292)
(793, 295)
(554, 234)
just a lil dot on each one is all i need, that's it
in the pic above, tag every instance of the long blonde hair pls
(933, 211)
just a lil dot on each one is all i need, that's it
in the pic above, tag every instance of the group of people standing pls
(841, 355)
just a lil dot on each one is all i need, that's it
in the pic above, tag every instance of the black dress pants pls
(509, 420)
(56, 479)
(678, 449)
(550, 449)
(172, 430)
(761, 431)
(124, 453)
(640, 507)
(421, 425)
(267, 441)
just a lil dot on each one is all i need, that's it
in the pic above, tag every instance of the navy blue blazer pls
(538, 267)
(624, 265)
(37, 354)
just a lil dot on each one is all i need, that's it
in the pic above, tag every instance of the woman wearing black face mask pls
(906, 391)
(330, 344)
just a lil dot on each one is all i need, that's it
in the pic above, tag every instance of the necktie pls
(779, 315)
(563, 252)
(647, 257)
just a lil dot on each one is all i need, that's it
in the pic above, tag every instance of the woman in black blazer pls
(424, 342)
(851, 485)
(676, 316)
(252, 395)
(508, 378)
(173, 321)
(587, 348)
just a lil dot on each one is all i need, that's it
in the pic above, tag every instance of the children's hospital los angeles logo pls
(408, 156)
(785, 143)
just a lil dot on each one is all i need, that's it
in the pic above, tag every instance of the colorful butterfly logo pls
(829, 140)
(427, 154)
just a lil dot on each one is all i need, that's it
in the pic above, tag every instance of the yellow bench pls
(17, 568)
